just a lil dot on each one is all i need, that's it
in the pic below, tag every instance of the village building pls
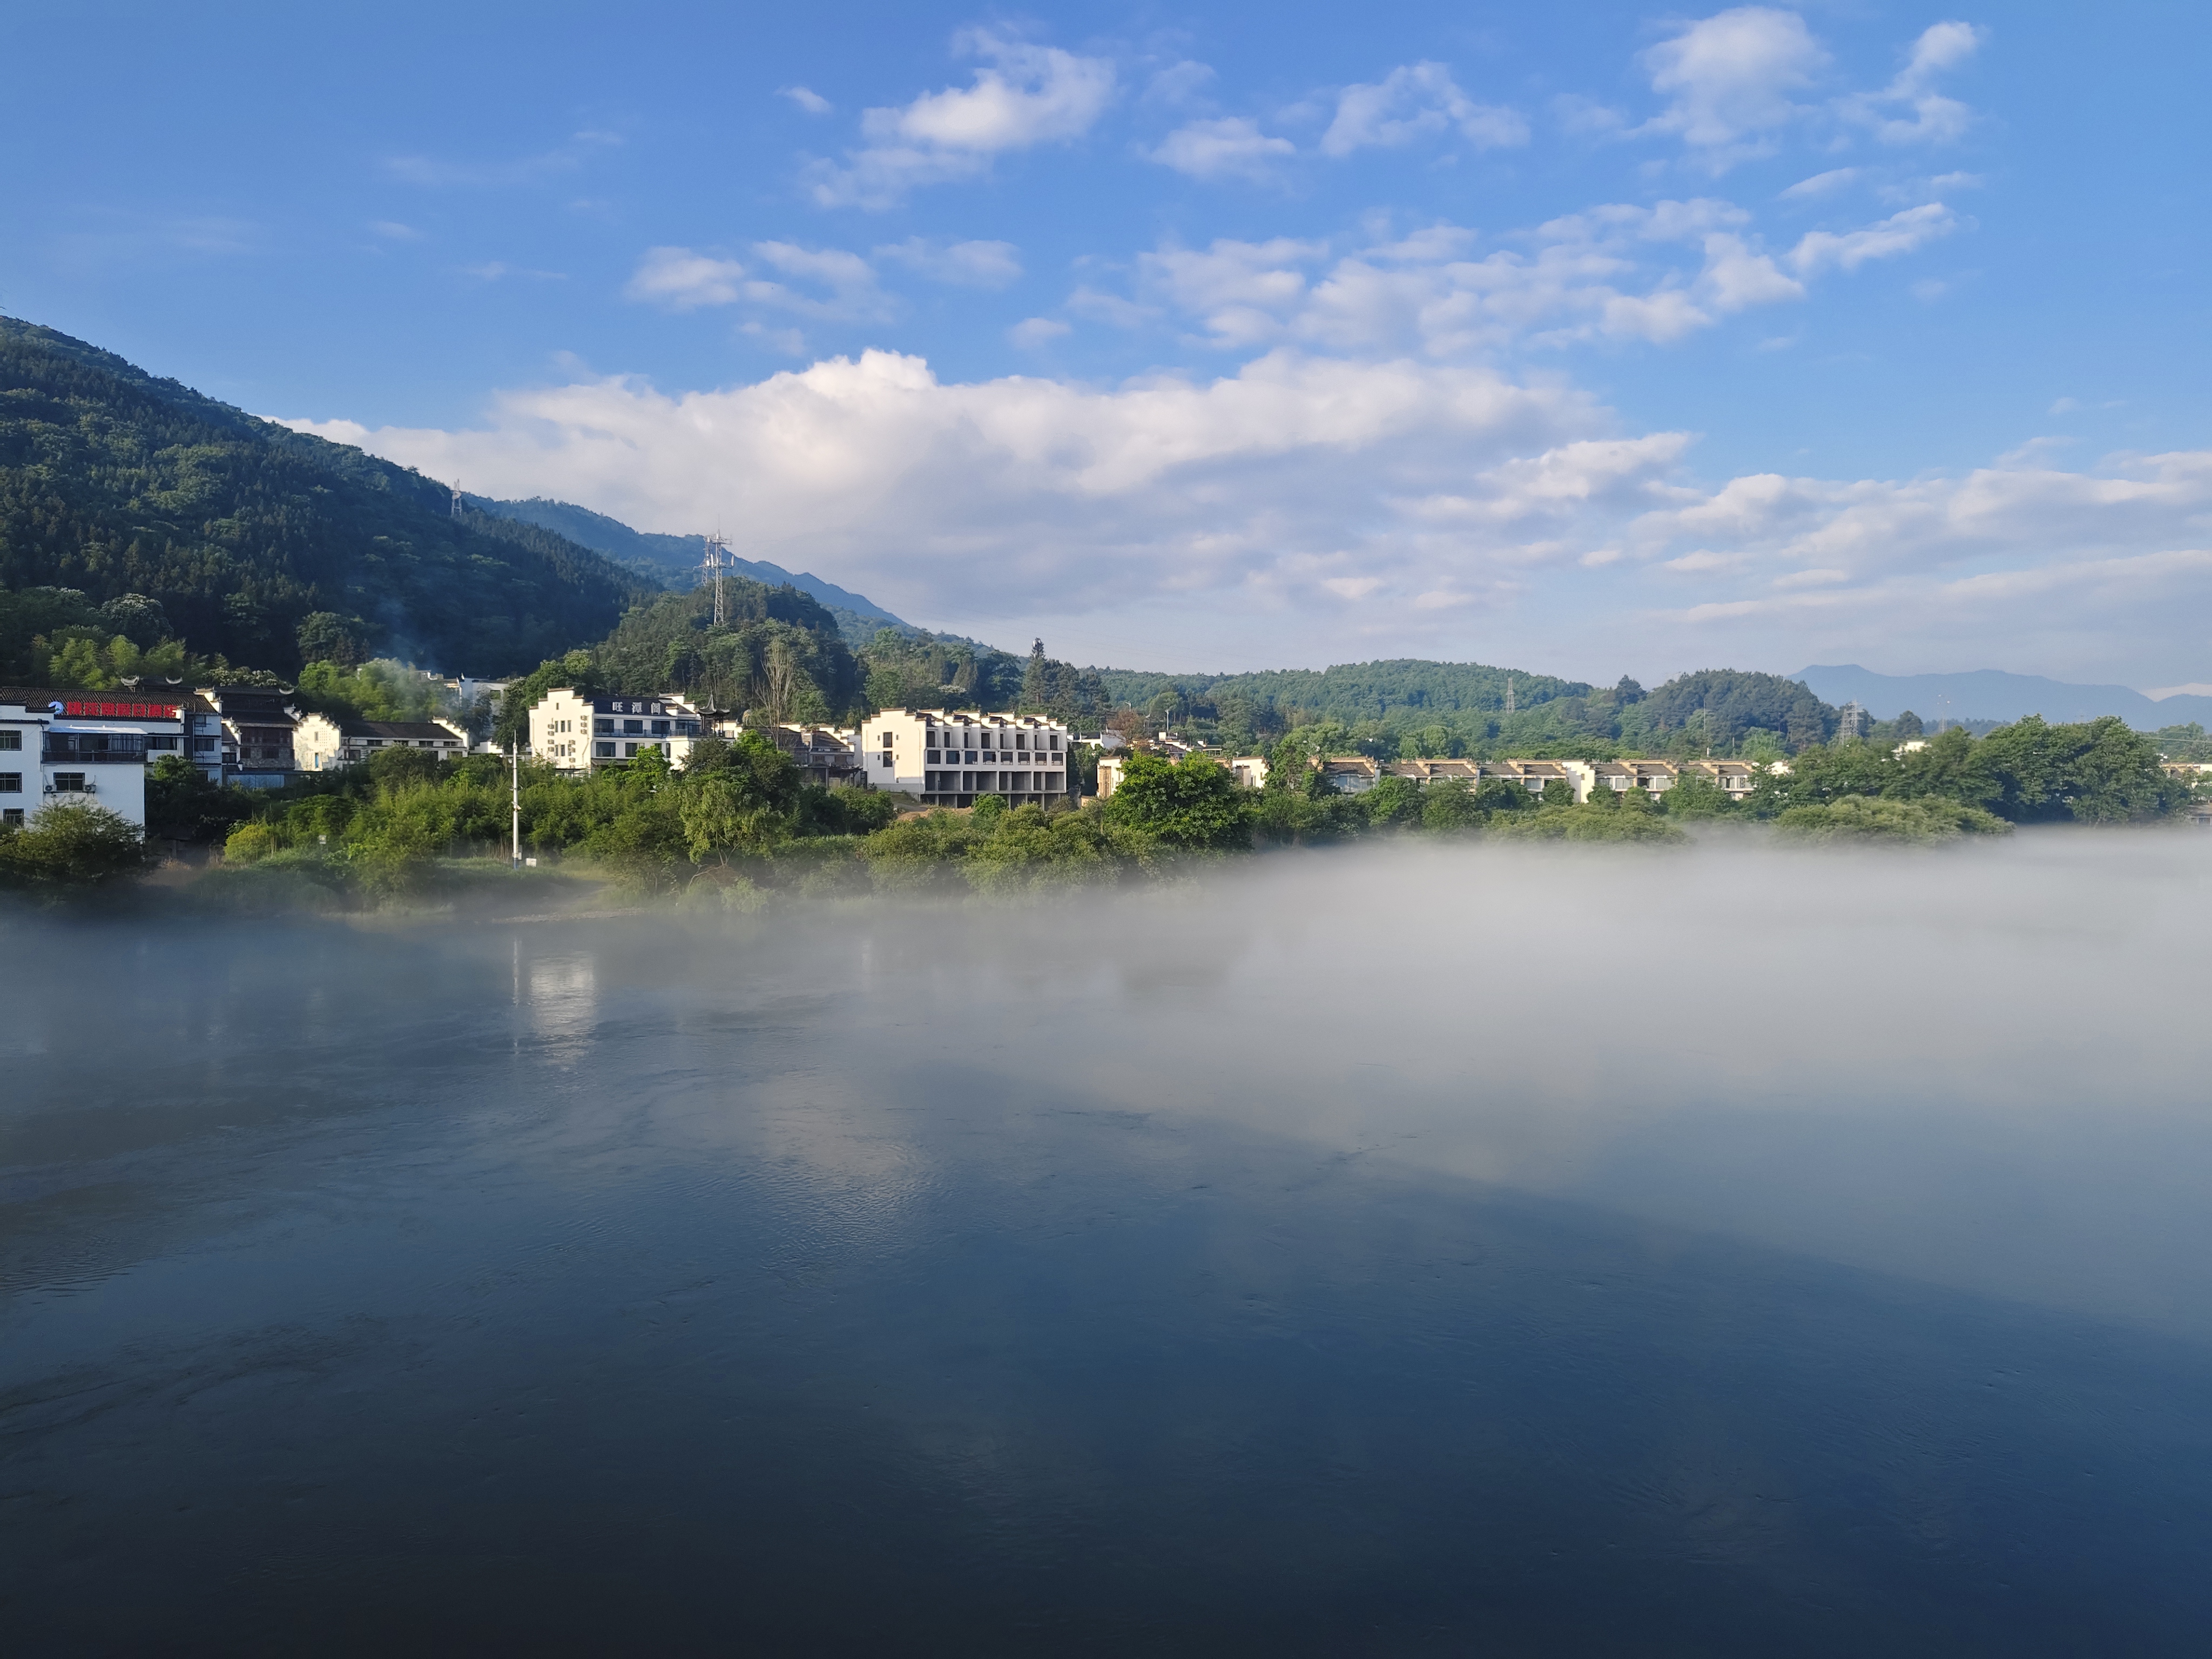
(1437, 771)
(1559, 783)
(256, 731)
(62, 746)
(948, 758)
(1249, 770)
(579, 732)
(1654, 777)
(1349, 775)
(827, 755)
(322, 742)
(1734, 778)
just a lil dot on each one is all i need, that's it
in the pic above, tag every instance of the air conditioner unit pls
(90, 787)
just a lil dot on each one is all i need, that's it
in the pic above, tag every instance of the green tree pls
(1193, 805)
(72, 844)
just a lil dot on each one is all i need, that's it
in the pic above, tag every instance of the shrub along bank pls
(738, 822)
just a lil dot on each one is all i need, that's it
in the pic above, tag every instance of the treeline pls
(1423, 710)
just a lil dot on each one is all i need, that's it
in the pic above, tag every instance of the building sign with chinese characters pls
(89, 710)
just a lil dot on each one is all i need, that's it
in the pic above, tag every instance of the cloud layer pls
(1390, 505)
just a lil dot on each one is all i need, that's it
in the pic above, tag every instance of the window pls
(629, 750)
(1021, 740)
(69, 783)
(634, 727)
(1055, 744)
(604, 725)
(12, 739)
(660, 728)
(203, 745)
(11, 783)
(604, 750)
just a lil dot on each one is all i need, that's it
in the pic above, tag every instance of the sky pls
(1594, 340)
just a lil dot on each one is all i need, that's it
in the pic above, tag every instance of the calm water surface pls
(1728, 1253)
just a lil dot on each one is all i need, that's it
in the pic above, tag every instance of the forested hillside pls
(675, 559)
(115, 483)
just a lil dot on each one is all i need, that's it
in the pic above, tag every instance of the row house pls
(948, 758)
(80, 745)
(1654, 777)
(322, 742)
(1735, 779)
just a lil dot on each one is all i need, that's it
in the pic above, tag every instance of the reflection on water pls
(1728, 1253)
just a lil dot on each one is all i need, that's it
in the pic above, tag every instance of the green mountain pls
(115, 483)
(675, 559)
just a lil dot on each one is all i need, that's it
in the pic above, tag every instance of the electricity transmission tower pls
(717, 561)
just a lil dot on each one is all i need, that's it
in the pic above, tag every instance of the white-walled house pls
(578, 732)
(322, 742)
(948, 759)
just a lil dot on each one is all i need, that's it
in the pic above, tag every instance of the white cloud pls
(1821, 183)
(1910, 111)
(1025, 95)
(1230, 147)
(965, 264)
(808, 99)
(1416, 100)
(1901, 233)
(392, 231)
(681, 280)
(1178, 83)
(1034, 331)
(1440, 498)
(1731, 79)
(1618, 271)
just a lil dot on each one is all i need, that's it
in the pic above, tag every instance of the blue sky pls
(1595, 340)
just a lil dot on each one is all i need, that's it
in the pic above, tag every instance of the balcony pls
(94, 749)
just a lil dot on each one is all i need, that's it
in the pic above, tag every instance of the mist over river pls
(1721, 1250)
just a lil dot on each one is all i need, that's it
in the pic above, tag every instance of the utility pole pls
(1509, 694)
(514, 761)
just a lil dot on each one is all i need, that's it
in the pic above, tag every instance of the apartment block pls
(578, 732)
(948, 758)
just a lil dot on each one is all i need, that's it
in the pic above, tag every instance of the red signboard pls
(119, 711)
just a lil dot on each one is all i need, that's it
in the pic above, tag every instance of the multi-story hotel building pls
(948, 759)
(577, 732)
(83, 745)
(321, 743)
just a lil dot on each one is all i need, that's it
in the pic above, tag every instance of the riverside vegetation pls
(738, 826)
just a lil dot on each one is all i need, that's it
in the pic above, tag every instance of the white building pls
(577, 732)
(322, 742)
(948, 759)
(82, 745)
(255, 733)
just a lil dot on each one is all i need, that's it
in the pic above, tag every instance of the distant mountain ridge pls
(1990, 693)
(676, 559)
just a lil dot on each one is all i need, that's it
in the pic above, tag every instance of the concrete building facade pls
(947, 758)
(322, 742)
(82, 745)
(579, 732)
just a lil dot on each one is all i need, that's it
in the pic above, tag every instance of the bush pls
(250, 842)
(1862, 818)
(73, 844)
